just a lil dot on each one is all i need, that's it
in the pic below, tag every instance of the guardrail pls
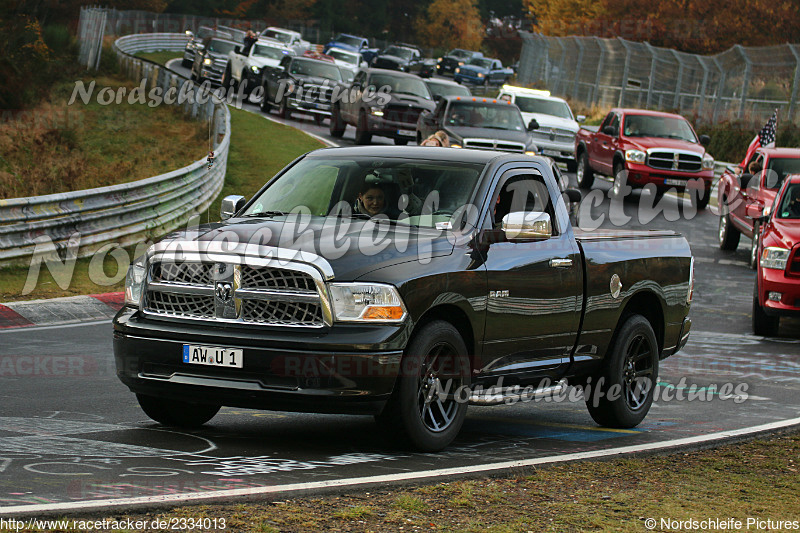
(129, 213)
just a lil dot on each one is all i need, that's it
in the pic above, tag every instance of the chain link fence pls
(741, 83)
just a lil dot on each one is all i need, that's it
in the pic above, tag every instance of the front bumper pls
(210, 73)
(469, 77)
(392, 129)
(640, 175)
(558, 151)
(312, 107)
(773, 280)
(345, 369)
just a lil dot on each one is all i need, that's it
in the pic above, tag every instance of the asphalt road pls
(72, 435)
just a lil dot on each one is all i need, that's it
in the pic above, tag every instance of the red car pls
(777, 291)
(742, 195)
(654, 147)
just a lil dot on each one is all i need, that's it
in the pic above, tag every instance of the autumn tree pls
(450, 24)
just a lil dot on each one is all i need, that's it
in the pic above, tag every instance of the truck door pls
(601, 151)
(274, 77)
(535, 287)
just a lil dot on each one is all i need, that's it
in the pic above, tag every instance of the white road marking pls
(392, 478)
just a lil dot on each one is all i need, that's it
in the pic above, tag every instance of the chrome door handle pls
(560, 263)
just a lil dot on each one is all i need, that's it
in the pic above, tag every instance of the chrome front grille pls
(679, 161)
(493, 144)
(554, 135)
(313, 93)
(402, 113)
(231, 292)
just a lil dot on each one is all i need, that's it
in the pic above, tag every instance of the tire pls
(616, 189)
(623, 392)
(572, 166)
(401, 142)
(177, 413)
(584, 172)
(700, 198)
(415, 413)
(264, 104)
(754, 246)
(283, 109)
(363, 136)
(227, 78)
(185, 63)
(336, 127)
(318, 119)
(763, 324)
(727, 234)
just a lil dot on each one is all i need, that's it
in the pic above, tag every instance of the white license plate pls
(213, 356)
(406, 133)
(551, 153)
(676, 183)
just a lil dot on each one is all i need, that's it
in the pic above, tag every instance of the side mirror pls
(231, 205)
(704, 140)
(609, 130)
(533, 125)
(527, 225)
(573, 195)
(581, 118)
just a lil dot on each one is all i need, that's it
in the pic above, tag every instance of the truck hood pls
(393, 59)
(346, 248)
(337, 44)
(645, 143)
(785, 233)
(549, 121)
(411, 100)
(461, 133)
(262, 62)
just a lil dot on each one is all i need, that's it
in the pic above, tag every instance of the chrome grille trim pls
(291, 294)
(494, 144)
(675, 160)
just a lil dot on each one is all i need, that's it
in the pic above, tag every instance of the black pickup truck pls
(300, 301)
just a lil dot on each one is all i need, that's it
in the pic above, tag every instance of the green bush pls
(730, 139)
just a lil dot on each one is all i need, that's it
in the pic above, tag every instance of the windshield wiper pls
(265, 214)
(491, 127)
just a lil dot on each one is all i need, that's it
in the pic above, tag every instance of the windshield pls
(278, 36)
(316, 69)
(790, 203)
(220, 47)
(401, 85)
(343, 55)
(270, 52)
(421, 193)
(350, 41)
(782, 167)
(460, 54)
(664, 127)
(403, 53)
(483, 63)
(479, 115)
(445, 89)
(555, 108)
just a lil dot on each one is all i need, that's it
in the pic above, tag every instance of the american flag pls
(765, 138)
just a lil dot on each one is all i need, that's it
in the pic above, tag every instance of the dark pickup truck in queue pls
(298, 301)
(381, 102)
(479, 123)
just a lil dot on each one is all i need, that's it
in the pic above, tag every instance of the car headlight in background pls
(460, 63)
(134, 281)
(774, 257)
(635, 156)
(366, 302)
(377, 111)
(458, 70)
(255, 69)
(708, 162)
(207, 61)
(480, 74)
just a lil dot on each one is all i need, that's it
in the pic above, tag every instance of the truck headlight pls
(460, 63)
(635, 156)
(377, 111)
(134, 281)
(255, 69)
(774, 257)
(708, 162)
(458, 70)
(366, 302)
(480, 74)
(530, 152)
(207, 61)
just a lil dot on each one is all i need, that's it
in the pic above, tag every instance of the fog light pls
(774, 296)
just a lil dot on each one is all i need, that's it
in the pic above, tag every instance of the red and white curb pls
(69, 310)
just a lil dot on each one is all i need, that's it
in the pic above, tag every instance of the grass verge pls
(259, 149)
(755, 480)
(160, 57)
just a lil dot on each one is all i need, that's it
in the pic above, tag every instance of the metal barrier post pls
(795, 83)
(746, 78)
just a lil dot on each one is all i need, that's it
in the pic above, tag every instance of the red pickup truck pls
(654, 147)
(743, 196)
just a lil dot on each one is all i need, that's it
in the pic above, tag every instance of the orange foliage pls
(449, 24)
